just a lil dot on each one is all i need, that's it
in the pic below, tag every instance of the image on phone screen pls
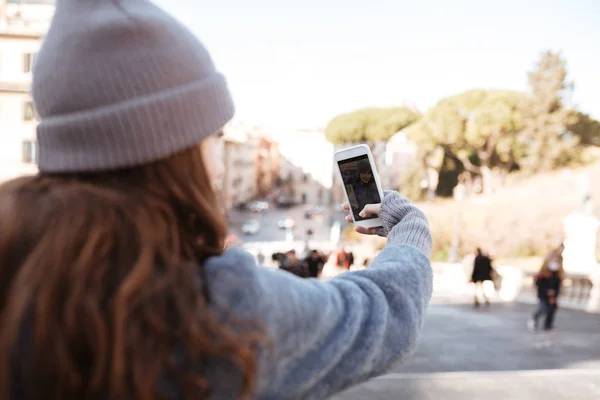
(359, 182)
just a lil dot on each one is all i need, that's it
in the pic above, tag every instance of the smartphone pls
(361, 184)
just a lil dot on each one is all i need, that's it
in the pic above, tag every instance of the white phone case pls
(356, 151)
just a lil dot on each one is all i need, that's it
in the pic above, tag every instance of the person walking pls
(114, 278)
(295, 266)
(342, 260)
(482, 272)
(315, 263)
(548, 282)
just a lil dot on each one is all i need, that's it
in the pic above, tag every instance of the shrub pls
(525, 219)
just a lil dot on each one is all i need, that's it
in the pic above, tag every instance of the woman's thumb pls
(370, 210)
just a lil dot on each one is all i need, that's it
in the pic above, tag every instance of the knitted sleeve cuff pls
(404, 223)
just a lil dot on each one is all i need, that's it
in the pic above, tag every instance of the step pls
(580, 384)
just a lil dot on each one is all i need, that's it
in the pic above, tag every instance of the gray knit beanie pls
(119, 83)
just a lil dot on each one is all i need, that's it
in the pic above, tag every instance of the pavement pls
(489, 354)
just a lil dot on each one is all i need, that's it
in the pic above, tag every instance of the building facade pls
(240, 155)
(268, 166)
(306, 167)
(22, 25)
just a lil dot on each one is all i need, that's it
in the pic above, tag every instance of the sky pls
(298, 63)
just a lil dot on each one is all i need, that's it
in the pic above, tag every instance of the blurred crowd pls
(311, 265)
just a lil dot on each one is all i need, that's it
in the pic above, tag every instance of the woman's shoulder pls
(233, 280)
(231, 258)
(230, 268)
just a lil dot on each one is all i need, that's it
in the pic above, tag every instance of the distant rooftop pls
(30, 1)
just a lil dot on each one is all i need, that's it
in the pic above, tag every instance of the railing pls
(579, 291)
(576, 291)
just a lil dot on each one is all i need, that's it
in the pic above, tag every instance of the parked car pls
(286, 223)
(285, 202)
(312, 212)
(251, 227)
(258, 206)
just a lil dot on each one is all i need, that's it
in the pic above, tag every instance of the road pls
(269, 230)
(488, 354)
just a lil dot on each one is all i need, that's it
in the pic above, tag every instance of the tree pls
(478, 127)
(550, 143)
(586, 129)
(411, 183)
(369, 124)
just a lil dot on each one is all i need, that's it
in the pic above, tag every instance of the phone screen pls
(359, 182)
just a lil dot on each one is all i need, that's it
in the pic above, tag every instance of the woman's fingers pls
(349, 218)
(346, 206)
(365, 231)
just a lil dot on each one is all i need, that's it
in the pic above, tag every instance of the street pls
(269, 231)
(489, 354)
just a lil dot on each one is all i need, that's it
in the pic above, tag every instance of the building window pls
(29, 155)
(28, 111)
(28, 62)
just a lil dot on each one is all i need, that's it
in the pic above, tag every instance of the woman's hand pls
(369, 211)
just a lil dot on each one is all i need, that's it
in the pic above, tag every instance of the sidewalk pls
(488, 354)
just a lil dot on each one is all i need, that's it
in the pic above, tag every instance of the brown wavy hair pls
(102, 291)
(556, 256)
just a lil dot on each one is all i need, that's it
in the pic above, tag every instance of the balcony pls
(26, 18)
(12, 87)
(30, 30)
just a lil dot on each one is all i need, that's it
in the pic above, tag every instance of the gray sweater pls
(330, 335)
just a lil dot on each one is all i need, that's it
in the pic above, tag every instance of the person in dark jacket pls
(293, 265)
(314, 263)
(548, 282)
(482, 271)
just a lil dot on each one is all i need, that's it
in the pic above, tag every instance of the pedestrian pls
(342, 259)
(114, 281)
(260, 258)
(349, 256)
(278, 258)
(482, 272)
(315, 263)
(293, 265)
(548, 282)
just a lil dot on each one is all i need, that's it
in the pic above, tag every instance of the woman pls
(482, 272)
(114, 282)
(548, 282)
(314, 263)
(365, 188)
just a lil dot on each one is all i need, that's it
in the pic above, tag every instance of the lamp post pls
(307, 238)
(459, 194)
